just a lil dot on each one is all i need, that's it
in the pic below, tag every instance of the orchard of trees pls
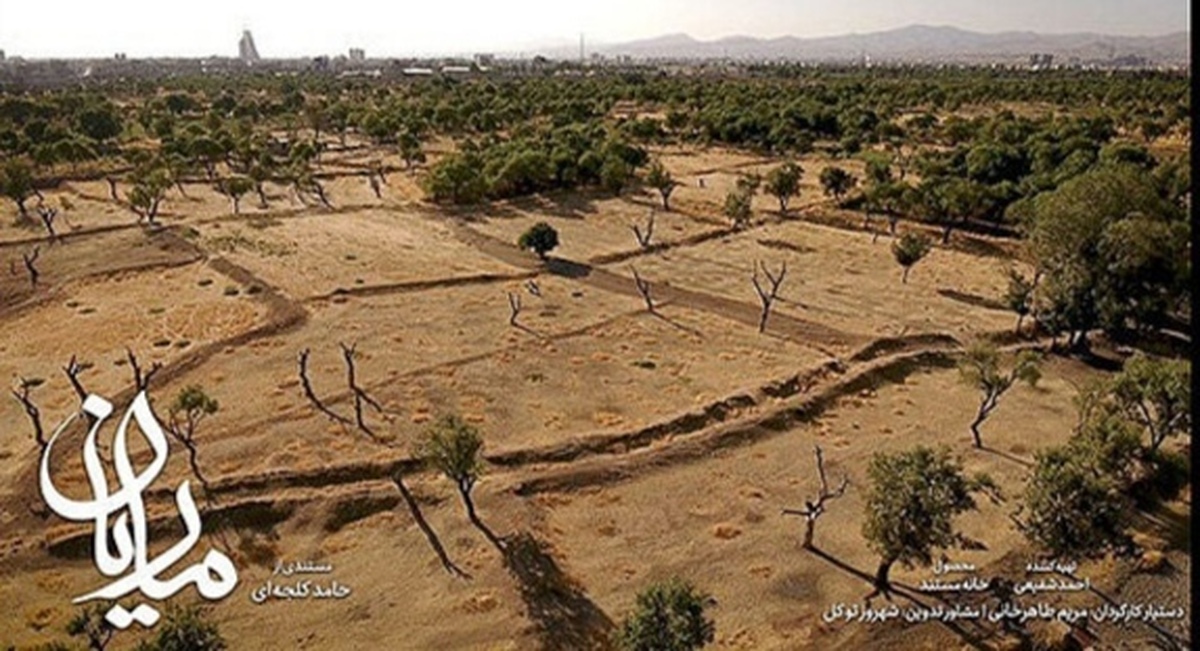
(1101, 215)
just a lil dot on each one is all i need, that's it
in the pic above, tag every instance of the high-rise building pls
(246, 50)
(358, 55)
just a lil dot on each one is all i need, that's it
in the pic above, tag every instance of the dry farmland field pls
(623, 444)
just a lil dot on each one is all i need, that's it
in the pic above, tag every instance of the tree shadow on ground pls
(974, 300)
(563, 615)
(974, 640)
(1006, 455)
(676, 324)
(568, 268)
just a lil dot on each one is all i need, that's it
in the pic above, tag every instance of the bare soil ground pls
(621, 446)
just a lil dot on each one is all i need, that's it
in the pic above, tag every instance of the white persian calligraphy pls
(214, 577)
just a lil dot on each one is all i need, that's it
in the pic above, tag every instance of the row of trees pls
(539, 160)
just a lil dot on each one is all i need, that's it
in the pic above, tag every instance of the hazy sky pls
(53, 28)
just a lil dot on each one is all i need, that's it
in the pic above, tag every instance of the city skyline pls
(141, 28)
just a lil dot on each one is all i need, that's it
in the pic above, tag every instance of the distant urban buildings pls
(358, 55)
(246, 50)
(1, 56)
(485, 60)
(1041, 61)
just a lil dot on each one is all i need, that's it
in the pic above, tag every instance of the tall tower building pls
(246, 50)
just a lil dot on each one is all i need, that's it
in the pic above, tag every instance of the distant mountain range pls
(911, 44)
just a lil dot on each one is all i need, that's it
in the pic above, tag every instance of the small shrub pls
(669, 617)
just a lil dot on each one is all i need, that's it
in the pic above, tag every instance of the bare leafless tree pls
(514, 307)
(379, 170)
(361, 397)
(141, 380)
(30, 260)
(72, 370)
(112, 187)
(312, 396)
(21, 393)
(319, 190)
(814, 508)
(533, 287)
(397, 477)
(644, 237)
(643, 288)
(767, 298)
(48, 214)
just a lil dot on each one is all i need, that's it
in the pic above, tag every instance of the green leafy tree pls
(669, 617)
(661, 180)
(206, 151)
(1074, 504)
(615, 174)
(911, 503)
(146, 195)
(410, 148)
(910, 249)
(738, 207)
(1112, 251)
(191, 406)
(981, 368)
(837, 182)
(750, 183)
(16, 182)
(100, 124)
(1156, 394)
(453, 446)
(783, 183)
(541, 238)
(235, 187)
(457, 178)
(1018, 296)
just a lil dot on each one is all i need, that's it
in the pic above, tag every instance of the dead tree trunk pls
(48, 215)
(374, 183)
(31, 266)
(141, 380)
(643, 288)
(72, 370)
(312, 396)
(32, 411)
(112, 188)
(320, 192)
(814, 508)
(514, 306)
(360, 397)
(767, 298)
(643, 238)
